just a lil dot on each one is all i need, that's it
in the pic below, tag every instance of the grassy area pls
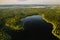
(10, 17)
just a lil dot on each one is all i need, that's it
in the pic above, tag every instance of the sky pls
(29, 1)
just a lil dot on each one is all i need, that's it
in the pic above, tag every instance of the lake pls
(35, 28)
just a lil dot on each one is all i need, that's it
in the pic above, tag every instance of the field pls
(10, 18)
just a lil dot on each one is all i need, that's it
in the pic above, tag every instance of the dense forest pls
(53, 16)
(10, 18)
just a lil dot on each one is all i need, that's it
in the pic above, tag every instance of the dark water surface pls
(35, 28)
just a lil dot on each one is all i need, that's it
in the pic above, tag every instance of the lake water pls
(35, 28)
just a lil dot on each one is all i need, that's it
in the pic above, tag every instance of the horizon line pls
(29, 4)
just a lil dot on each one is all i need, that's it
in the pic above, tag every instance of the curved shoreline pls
(54, 26)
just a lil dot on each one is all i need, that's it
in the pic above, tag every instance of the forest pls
(10, 18)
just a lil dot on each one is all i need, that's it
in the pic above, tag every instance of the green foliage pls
(53, 16)
(10, 17)
(4, 36)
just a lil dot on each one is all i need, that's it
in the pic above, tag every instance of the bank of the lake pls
(54, 26)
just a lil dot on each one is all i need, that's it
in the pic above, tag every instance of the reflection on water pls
(37, 21)
(35, 28)
(31, 18)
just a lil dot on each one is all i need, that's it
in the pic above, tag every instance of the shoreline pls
(54, 26)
